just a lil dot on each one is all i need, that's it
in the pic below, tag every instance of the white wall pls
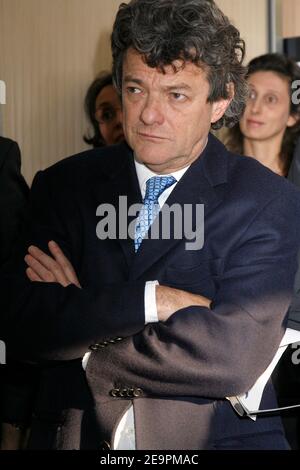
(50, 52)
(251, 18)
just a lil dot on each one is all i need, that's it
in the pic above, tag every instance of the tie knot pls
(156, 185)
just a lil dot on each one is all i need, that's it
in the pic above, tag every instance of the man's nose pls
(152, 111)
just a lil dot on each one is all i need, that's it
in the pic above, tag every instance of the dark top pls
(13, 196)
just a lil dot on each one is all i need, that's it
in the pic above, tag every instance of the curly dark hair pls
(192, 30)
(289, 70)
(101, 81)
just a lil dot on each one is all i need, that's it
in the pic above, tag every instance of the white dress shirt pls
(250, 401)
(124, 438)
(144, 174)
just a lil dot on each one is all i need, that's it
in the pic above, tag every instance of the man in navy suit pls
(143, 338)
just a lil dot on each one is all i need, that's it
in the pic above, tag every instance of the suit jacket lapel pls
(130, 188)
(121, 181)
(203, 183)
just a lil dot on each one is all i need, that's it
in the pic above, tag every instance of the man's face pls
(166, 115)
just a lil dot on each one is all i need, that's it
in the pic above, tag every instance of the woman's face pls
(267, 113)
(108, 113)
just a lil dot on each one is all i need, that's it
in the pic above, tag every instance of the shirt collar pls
(143, 174)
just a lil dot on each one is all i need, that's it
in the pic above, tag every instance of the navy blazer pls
(177, 373)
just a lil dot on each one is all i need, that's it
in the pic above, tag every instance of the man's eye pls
(134, 90)
(178, 96)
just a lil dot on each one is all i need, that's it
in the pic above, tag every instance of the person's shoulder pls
(261, 192)
(260, 182)
(102, 158)
(247, 178)
(6, 145)
(5, 142)
(10, 157)
(103, 162)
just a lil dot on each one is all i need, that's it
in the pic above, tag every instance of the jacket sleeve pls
(43, 321)
(294, 310)
(219, 352)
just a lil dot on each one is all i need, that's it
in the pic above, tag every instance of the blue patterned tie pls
(155, 186)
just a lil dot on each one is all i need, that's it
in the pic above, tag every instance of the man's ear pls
(219, 107)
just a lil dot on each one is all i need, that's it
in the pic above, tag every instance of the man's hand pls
(169, 301)
(44, 268)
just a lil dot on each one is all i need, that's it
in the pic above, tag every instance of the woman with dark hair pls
(269, 127)
(103, 109)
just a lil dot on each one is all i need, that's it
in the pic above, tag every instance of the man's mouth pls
(149, 136)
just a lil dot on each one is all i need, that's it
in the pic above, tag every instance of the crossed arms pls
(193, 350)
(58, 269)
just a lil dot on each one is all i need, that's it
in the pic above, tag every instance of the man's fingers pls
(45, 267)
(63, 261)
(39, 269)
(48, 269)
(32, 276)
(41, 257)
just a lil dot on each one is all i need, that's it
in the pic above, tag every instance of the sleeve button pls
(104, 446)
(114, 392)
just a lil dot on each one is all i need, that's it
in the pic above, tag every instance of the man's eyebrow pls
(130, 78)
(176, 86)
